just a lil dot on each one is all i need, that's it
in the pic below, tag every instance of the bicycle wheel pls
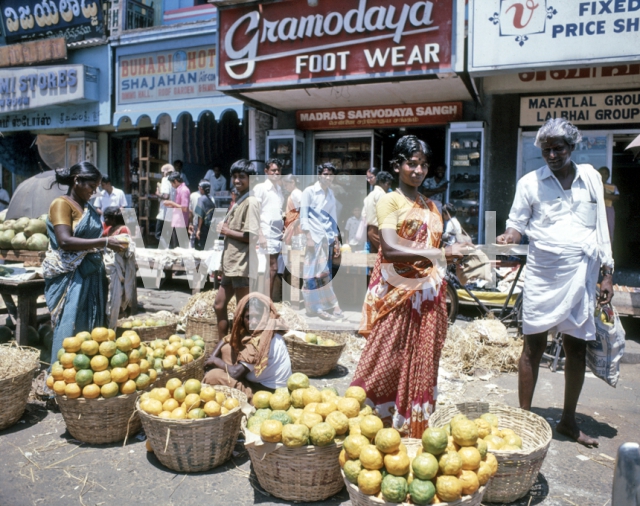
(452, 303)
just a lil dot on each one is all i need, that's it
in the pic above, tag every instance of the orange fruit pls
(186, 358)
(57, 371)
(212, 408)
(102, 378)
(134, 371)
(72, 344)
(91, 391)
(134, 357)
(179, 414)
(135, 339)
(69, 375)
(153, 374)
(99, 363)
(124, 344)
(128, 387)
(108, 349)
(231, 403)
(192, 401)
(161, 394)
(182, 351)
(170, 405)
(144, 366)
(50, 381)
(100, 334)
(60, 386)
(119, 374)
(192, 386)
(84, 336)
(172, 384)
(66, 360)
(109, 390)
(172, 349)
(72, 391)
(89, 347)
(111, 335)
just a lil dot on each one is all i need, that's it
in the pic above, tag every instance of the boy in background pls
(240, 228)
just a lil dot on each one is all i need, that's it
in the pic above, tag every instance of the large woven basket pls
(309, 473)
(149, 333)
(311, 359)
(100, 421)
(193, 370)
(191, 446)
(360, 499)
(517, 470)
(207, 329)
(14, 394)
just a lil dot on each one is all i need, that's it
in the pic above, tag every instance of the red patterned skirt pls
(399, 365)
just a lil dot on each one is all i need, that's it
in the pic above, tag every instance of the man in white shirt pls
(383, 183)
(4, 199)
(561, 208)
(351, 228)
(110, 196)
(271, 199)
(164, 192)
(318, 223)
(217, 181)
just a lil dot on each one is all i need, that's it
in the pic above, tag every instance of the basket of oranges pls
(97, 379)
(191, 427)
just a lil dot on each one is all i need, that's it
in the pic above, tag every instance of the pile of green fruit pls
(316, 339)
(24, 234)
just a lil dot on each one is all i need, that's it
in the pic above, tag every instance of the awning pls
(174, 109)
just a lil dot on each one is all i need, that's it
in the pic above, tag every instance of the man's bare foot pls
(576, 434)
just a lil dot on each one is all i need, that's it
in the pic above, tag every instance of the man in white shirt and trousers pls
(109, 197)
(271, 199)
(561, 208)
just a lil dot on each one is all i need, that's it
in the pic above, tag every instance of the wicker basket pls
(100, 421)
(191, 446)
(309, 473)
(360, 499)
(517, 470)
(14, 394)
(149, 333)
(193, 370)
(311, 359)
(207, 329)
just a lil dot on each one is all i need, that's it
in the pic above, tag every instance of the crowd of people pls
(415, 236)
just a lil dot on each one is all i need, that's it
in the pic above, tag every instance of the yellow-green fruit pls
(297, 398)
(354, 444)
(298, 380)
(357, 393)
(450, 463)
(387, 440)
(280, 402)
(295, 435)
(448, 488)
(261, 399)
(351, 470)
(369, 481)
(322, 434)
(370, 425)
(465, 433)
(339, 422)
(371, 458)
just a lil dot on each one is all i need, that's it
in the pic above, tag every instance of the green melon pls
(281, 416)
(425, 466)
(394, 488)
(263, 413)
(435, 441)
(84, 377)
(119, 360)
(81, 362)
(422, 491)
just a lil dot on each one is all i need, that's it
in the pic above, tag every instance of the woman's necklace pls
(406, 196)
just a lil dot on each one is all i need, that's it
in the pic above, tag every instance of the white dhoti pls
(560, 289)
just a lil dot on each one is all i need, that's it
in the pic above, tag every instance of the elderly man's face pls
(556, 152)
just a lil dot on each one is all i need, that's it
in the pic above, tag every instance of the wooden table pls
(29, 258)
(27, 310)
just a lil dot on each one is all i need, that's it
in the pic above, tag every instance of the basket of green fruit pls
(148, 326)
(314, 354)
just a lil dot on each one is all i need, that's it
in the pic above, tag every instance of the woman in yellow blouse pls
(405, 311)
(75, 281)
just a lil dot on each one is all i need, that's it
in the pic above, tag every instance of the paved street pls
(41, 464)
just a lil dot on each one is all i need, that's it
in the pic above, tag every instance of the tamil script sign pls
(529, 34)
(379, 117)
(581, 109)
(615, 77)
(167, 75)
(292, 43)
(72, 19)
(32, 87)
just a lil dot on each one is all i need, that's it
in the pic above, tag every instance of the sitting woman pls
(114, 222)
(254, 356)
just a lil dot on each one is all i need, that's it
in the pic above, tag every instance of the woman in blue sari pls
(75, 281)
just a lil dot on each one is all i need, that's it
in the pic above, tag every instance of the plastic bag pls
(604, 354)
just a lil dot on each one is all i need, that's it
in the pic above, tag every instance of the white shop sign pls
(530, 34)
(32, 87)
(582, 109)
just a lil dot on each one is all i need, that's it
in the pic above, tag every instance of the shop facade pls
(60, 109)
(341, 81)
(570, 61)
(168, 108)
